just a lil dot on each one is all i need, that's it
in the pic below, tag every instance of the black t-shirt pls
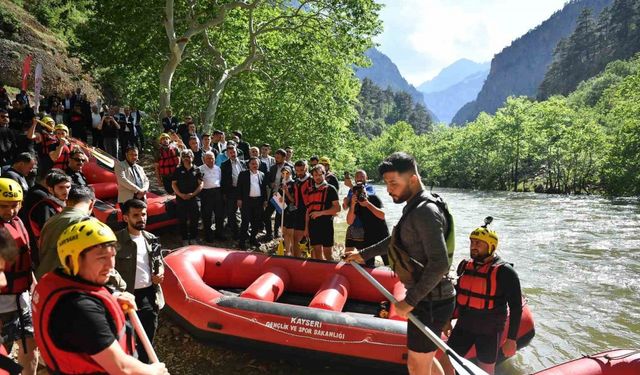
(7, 146)
(80, 323)
(187, 180)
(375, 230)
(170, 123)
(333, 181)
(332, 196)
(77, 178)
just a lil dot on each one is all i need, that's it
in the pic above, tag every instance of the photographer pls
(110, 131)
(139, 261)
(365, 217)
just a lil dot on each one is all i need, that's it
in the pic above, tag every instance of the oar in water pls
(462, 365)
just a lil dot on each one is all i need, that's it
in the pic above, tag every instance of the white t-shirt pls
(211, 176)
(143, 273)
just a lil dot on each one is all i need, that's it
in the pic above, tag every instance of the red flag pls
(26, 69)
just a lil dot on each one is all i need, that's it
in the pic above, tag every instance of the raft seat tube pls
(269, 286)
(332, 295)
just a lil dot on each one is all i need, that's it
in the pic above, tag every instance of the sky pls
(424, 36)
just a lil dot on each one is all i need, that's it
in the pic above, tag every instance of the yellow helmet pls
(61, 127)
(49, 120)
(10, 190)
(163, 135)
(79, 237)
(486, 235)
(324, 160)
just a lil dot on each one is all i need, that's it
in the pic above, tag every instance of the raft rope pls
(609, 357)
(366, 340)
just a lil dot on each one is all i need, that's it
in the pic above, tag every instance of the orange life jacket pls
(314, 197)
(299, 189)
(477, 286)
(169, 160)
(47, 293)
(18, 272)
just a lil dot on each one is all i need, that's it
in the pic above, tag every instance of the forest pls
(283, 74)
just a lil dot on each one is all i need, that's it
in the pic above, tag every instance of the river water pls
(578, 258)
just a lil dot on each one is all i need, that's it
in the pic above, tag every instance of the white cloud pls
(424, 36)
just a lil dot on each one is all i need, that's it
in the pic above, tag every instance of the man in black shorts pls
(297, 209)
(321, 200)
(419, 239)
(481, 309)
(80, 326)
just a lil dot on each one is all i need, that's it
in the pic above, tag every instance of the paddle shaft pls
(462, 365)
(137, 326)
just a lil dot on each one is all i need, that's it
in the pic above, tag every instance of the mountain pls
(520, 68)
(453, 74)
(447, 102)
(384, 73)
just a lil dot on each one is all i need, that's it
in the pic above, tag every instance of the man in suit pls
(274, 178)
(231, 169)
(269, 160)
(254, 152)
(217, 141)
(139, 262)
(252, 201)
(132, 181)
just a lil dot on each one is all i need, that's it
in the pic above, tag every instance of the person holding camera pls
(110, 129)
(366, 219)
(139, 262)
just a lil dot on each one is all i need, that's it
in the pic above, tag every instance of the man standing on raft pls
(419, 255)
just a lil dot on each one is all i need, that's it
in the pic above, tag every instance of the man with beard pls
(140, 263)
(420, 257)
(77, 159)
(486, 285)
(321, 200)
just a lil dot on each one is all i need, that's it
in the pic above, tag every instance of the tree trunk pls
(214, 100)
(166, 76)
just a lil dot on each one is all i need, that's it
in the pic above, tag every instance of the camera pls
(359, 192)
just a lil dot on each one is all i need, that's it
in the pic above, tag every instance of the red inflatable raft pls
(99, 172)
(613, 362)
(288, 303)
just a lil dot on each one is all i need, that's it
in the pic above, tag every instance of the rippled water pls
(578, 258)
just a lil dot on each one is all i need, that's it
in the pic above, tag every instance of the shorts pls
(11, 328)
(434, 315)
(295, 219)
(321, 232)
(487, 345)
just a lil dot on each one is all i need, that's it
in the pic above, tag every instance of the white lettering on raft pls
(306, 322)
(306, 326)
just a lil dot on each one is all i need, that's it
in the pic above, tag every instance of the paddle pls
(137, 326)
(462, 365)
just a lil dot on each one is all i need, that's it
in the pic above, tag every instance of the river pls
(578, 258)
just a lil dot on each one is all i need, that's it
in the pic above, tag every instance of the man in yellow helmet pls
(486, 286)
(15, 314)
(99, 340)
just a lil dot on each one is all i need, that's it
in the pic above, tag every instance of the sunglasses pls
(79, 160)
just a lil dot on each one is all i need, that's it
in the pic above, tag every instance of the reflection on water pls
(579, 263)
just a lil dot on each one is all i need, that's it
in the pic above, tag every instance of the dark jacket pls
(126, 259)
(244, 147)
(422, 235)
(244, 185)
(226, 180)
(17, 177)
